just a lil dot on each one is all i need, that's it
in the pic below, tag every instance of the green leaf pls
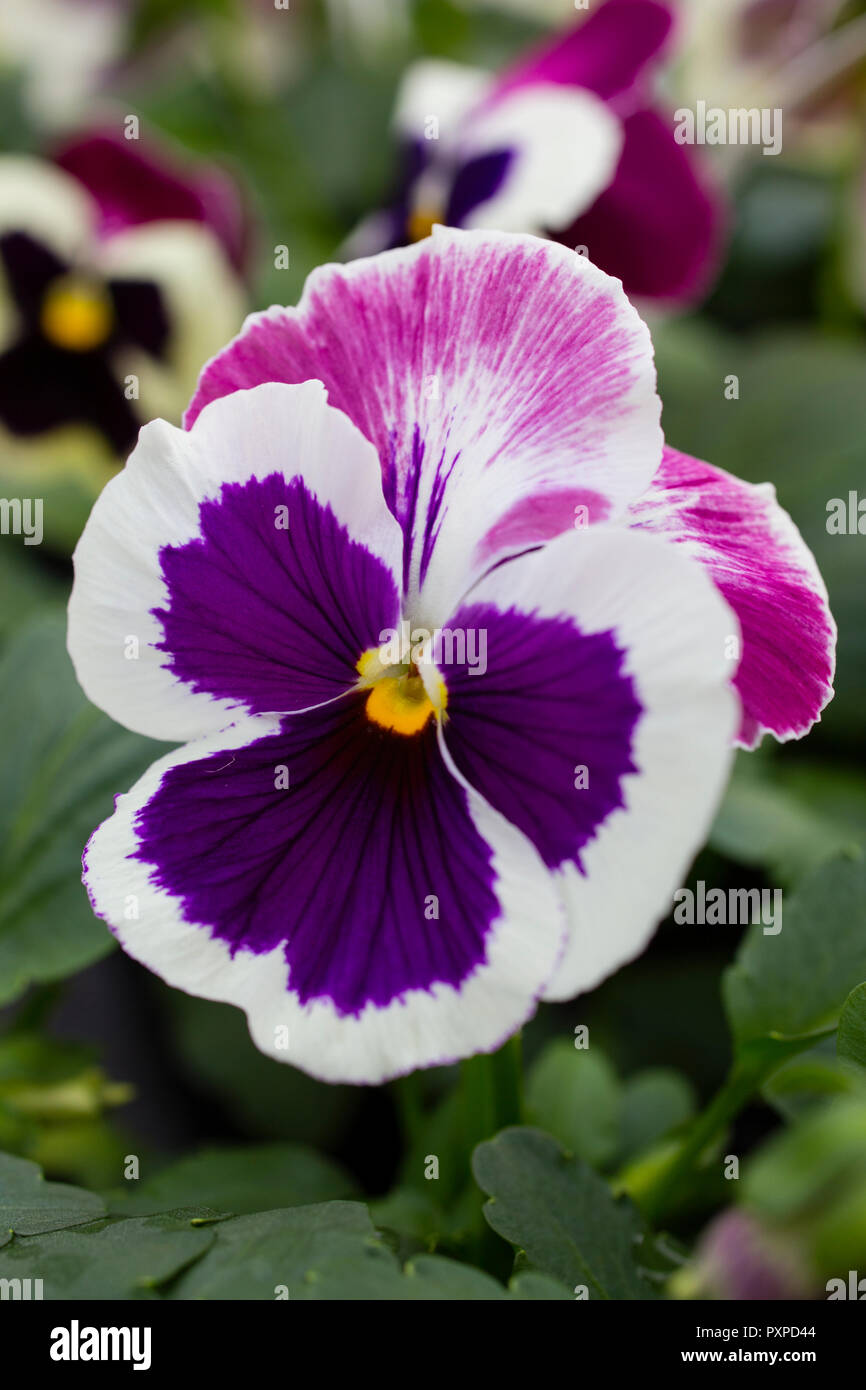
(530, 1285)
(127, 1259)
(561, 1213)
(299, 1249)
(29, 1204)
(794, 984)
(810, 1163)
(434, 1277)
(410, 1213)
(330, 1251)
(238, 1180)
(654, 1102)
(811, 1078)
(789, 819)
(63, 762)
(851, 1037)
(575, 1095)
(809, 1179)
(26, 585)
(28, 1057)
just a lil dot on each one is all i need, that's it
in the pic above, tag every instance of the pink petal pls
(607, 53)
(763, 568)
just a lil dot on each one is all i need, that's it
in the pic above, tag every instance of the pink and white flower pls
(387, 866)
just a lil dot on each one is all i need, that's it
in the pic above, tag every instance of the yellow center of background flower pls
(421, 223)
(76, 314)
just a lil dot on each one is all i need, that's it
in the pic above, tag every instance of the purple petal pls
(477, 180)
(607, 53)
(133, 183)
(336, 881)
(551, 698)
(335, 868)
(658, 227)
(740, 1258)
(268, 618)
(760, 563)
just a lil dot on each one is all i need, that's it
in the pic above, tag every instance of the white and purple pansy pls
(452, 649)
(566, 144)
(116, 281)
(134, 182)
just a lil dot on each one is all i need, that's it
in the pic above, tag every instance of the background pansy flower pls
(567, 144)
(134, 182)
(388, 863)
(115, 284)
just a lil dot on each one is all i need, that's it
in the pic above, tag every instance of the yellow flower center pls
(400, 703)
(76, 314)
(398, 699)
(421, 222)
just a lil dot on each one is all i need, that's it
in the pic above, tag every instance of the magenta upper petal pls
(658, 227)
(606, 53)
(503, 381)
(133, 184)
(768, 576)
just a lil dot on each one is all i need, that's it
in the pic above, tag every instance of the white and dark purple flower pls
(116, 282)
(395, 856)
(567, 144)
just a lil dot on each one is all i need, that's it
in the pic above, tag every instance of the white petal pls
(156, 502)
(566, 144)
(203, 298)
(439, 91)
(675, 634)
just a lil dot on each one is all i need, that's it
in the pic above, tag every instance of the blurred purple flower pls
(738, 1258)
(133, 182)
(568, 144)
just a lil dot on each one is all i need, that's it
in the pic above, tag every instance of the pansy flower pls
(116, 282)
(566, 144)
(452, 645)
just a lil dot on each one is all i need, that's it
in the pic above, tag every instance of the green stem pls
(491, 1086)
(656, 1186)
(407, 1095)
(491, 1097)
